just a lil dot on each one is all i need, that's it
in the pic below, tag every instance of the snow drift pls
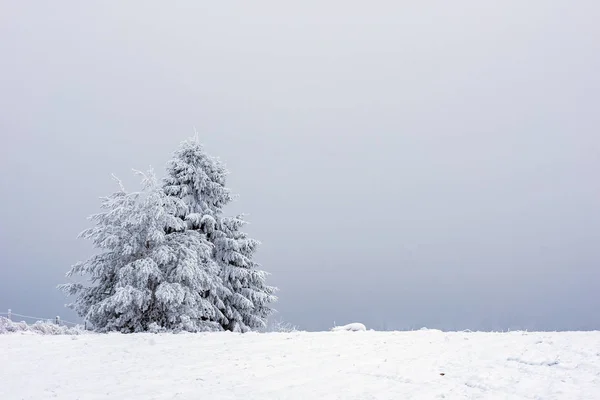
(353, 327)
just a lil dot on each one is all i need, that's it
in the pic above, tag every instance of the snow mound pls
(39, 328)
(354, 327)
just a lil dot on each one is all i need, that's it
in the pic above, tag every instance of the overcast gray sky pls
(405, 164)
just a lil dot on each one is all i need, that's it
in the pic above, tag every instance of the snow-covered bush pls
(40, 328)
(280, 326)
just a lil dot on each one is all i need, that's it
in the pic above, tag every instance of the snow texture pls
(300, 365)
(353, 327)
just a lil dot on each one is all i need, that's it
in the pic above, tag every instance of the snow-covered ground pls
(300, 365)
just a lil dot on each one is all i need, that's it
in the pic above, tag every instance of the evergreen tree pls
(152, 273)
(199, 181)
(247, 307)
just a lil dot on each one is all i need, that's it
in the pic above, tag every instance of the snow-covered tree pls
(152, 273)
(198, 180)
(247, 307)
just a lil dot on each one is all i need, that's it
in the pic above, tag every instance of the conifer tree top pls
(197, 178)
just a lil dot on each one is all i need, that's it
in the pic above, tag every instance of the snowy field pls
(300, 365)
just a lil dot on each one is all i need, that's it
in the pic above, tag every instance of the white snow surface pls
(301, 365)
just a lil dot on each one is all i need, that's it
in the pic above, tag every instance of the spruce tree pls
(248, 306)
(199, 180)
(152, 273)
